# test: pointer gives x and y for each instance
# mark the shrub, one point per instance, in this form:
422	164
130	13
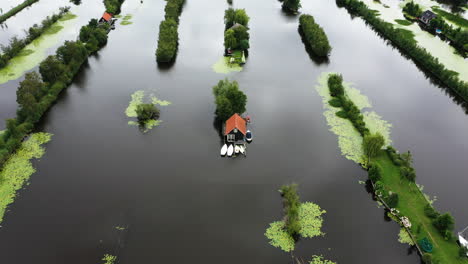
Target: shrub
335	85
335	102
314	35
113	6
430	211
291	5
147	112
375	172
412	9
444	223
462	252
168	41
291	203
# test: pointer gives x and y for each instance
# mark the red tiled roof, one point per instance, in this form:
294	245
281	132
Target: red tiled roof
235	121
107	16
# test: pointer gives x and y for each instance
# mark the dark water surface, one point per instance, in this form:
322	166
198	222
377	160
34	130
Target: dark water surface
180	201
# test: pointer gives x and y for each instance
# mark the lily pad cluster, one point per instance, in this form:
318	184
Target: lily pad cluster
349	139
109	259
126	20
310	218
320	260
137	98
224	66
18	168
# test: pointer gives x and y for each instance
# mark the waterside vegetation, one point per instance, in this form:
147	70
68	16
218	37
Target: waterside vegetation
168	40
292	6
16	45
229	99
408	46
393	180
314	36
16	10
236	33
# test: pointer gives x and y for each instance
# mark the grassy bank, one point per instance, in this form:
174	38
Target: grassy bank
411	204
393	179
457	20
16	10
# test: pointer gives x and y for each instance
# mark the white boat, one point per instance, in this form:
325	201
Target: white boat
241	149
463	237
224	150
236	149
230	150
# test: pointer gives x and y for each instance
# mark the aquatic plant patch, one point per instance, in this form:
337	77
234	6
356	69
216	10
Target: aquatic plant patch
126	20
404	237
311	221
138	98
18	168
109	259
349	139
35	52
320	260
224	66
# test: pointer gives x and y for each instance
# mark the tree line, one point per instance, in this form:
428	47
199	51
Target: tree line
236	34
314	35
16	45
38	91
372	146
408	46
291	210
16	9
168	40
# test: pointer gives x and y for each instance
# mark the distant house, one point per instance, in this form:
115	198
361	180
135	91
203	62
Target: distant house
235	129
426	17
106	18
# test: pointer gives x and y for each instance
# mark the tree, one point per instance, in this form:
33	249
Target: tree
241	17
375	172
229	99
372	144
444	223
147	112
51	69
392	200
29	92
230	40
291	5
72	52
335	85
229	18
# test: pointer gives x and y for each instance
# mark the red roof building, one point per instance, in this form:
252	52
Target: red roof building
106	17
235	124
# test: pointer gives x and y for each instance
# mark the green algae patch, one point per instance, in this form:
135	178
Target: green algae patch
109	259
404	237
279	237
138	98
33	53
18	169
349	139
320	260
126	20
68	16
310	218
224	66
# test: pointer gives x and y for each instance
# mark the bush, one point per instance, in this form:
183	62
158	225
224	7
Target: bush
412	9
335	85
335	102
375	172
431	212
113	6
147	112
314	35
291	5
462	252
291	204
444	223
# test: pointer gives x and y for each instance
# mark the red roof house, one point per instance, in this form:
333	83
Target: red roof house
235	128
106	17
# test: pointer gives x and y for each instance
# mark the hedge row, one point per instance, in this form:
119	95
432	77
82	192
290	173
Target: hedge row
16	45
409	46
168	32
314	35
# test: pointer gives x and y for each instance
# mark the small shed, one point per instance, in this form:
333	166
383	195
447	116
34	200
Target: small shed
235	129
106	18
427	16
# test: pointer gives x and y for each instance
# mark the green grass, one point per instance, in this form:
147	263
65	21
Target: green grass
457	20
411	204
403	22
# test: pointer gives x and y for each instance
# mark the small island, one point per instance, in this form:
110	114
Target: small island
314	36
236	35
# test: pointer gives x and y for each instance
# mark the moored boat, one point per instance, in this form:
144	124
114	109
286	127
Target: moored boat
230	150
224	150
248	136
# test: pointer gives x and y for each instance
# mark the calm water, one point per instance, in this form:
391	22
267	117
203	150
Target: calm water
180	201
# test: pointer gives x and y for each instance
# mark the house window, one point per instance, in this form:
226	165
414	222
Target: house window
231	137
